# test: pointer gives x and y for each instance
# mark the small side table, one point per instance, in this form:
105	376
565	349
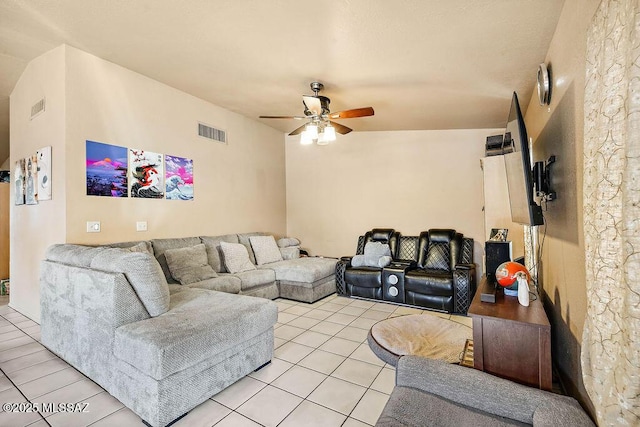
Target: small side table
511	341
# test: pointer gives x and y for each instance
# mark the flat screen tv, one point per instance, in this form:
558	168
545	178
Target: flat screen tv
524	209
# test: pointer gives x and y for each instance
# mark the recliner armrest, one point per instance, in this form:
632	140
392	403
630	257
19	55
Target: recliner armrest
347	259
486	393
406	263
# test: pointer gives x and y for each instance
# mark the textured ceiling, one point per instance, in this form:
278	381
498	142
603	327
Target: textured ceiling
422	64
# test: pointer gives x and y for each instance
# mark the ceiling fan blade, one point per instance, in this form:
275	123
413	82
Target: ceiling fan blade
341	129
282	117
313	104
351	114
297	131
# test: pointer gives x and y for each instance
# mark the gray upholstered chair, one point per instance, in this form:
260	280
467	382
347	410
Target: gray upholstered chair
432	392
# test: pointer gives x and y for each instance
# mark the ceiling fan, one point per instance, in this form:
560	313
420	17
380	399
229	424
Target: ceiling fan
320	128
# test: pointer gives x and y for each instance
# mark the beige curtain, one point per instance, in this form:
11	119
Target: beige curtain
611	337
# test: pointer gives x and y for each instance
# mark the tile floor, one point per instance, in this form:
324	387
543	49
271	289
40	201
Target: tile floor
322	374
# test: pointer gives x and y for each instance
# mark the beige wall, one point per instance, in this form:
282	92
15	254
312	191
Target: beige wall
408	180
557	129
239	186
34	228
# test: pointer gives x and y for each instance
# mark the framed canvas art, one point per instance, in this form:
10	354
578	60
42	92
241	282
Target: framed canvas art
31	183
179	178
146	174
19	173
106	170
43	156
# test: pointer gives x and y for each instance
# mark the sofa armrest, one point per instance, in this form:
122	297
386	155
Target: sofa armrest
464	282
341	266
487	393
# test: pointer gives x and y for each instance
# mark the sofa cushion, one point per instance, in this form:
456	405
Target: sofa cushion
137	246
378	249
223	283
199	325
212	243
189	265
243	238
75	255
307	269
143	273
290	252
255	278
235	257
431	282
161	245
265	249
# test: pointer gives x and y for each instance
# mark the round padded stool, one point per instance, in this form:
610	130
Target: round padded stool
420	335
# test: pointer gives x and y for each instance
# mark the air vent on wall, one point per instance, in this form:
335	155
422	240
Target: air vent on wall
212	133
37	108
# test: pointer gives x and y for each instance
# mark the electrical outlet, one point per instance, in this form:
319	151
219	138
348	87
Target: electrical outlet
141	226
93	226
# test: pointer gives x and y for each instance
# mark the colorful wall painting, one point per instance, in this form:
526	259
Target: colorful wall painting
146	174
19	173
106	170
179	178
31	183
44	173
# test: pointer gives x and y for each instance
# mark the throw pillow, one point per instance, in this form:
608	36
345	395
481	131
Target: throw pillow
265	249
285	242
370	261
236	257
377	249
189	265
291	252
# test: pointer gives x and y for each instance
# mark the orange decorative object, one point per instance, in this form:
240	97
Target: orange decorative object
507	273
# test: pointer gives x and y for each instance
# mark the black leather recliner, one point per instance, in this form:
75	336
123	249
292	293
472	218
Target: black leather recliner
434	270
367	281
445	276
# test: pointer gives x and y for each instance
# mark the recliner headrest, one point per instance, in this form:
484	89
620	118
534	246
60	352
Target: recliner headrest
381	234
441	235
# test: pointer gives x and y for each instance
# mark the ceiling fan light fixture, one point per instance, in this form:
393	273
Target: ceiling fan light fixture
312	130
329	133
305	138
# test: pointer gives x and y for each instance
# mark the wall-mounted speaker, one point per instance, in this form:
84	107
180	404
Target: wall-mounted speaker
495	254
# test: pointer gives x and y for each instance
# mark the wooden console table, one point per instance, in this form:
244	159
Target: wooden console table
511	341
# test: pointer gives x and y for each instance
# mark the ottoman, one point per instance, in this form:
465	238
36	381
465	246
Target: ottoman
419	335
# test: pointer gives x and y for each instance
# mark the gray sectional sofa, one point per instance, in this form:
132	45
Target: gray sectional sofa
118	315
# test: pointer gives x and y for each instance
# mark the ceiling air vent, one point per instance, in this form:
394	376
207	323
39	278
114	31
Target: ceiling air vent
37	108
212	133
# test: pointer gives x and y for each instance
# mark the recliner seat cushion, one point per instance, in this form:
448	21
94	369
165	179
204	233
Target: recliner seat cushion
365	277
433	282
199	325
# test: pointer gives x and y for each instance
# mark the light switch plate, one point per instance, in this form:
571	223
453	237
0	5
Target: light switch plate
93	226
141	226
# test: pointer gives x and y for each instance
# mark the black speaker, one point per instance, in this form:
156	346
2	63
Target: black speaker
495	254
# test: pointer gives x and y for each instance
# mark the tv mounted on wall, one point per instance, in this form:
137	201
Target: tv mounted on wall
524	209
